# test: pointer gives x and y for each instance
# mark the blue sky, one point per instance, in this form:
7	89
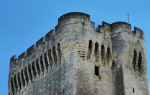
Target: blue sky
23	22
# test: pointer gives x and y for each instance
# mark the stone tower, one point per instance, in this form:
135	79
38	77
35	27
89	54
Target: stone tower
76	58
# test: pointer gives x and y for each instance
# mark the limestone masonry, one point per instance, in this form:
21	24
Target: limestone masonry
76	58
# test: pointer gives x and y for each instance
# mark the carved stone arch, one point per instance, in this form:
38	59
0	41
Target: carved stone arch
33	69
26	75
46	60
90	46
19	80
38	66
22	78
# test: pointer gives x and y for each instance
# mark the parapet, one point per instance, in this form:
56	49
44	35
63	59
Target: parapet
138	32
117	25
13	59
79	15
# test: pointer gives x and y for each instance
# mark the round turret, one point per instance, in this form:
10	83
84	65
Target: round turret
76	16
123	25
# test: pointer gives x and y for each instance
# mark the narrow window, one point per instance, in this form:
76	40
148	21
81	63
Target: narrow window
19	81
133	90
59	51
96	70
42	65
96	51
113	65
26	75
46	61
22	77
12	85
50	56
134	59
54	55
37	66
139	61
33	69
102	52
90	49
108	54
30	74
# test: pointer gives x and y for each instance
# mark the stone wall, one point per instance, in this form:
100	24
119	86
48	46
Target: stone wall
77	59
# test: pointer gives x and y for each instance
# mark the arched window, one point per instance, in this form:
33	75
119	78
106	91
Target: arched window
19	81
30	73
90	49
12	85
102	52
50	57
26	75
134	59
46	61
96	51
54	55
140	61
37	66
33	69
42	65
108	53
15	82
22	77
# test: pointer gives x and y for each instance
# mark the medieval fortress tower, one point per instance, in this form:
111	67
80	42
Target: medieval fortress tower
76	58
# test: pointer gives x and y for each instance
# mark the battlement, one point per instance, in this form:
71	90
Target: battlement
118	25
138	32
79	15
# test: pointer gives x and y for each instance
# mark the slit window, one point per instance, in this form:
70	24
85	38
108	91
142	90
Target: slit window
140	61
96	70
102	52
54	55
90	49
134	59
108	53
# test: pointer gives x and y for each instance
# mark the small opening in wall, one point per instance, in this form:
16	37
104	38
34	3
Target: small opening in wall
96	70
133	90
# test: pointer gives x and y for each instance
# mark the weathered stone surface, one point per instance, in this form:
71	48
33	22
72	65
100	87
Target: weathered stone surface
77	59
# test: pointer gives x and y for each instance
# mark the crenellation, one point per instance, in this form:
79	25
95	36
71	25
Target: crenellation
49	35
138	32
22	56
41	41
75	58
